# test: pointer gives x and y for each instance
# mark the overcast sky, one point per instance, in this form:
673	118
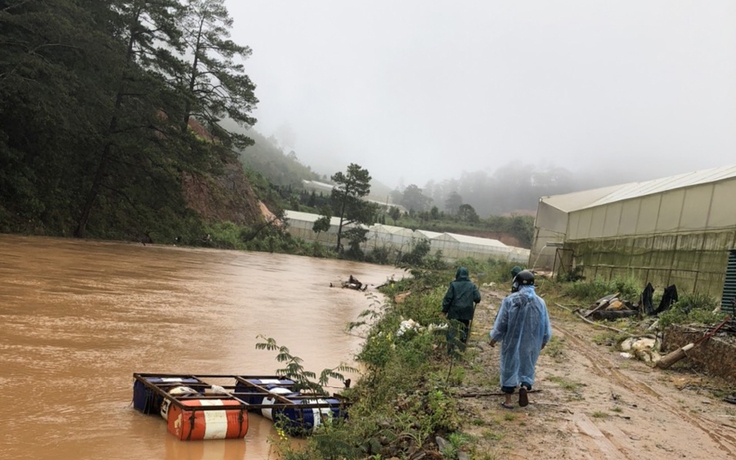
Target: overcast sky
414	90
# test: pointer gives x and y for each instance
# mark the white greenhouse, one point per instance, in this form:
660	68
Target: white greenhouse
676	230
453	246
398	238
301	224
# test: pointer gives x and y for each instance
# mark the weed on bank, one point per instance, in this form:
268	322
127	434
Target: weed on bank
404	399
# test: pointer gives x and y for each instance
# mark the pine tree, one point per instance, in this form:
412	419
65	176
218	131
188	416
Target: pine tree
213	79
347	198
147	31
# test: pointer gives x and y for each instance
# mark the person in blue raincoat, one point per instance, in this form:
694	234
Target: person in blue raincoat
523	328
458	306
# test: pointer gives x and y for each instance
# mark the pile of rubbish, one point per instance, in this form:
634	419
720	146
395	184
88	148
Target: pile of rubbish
409	326
669	297
352	283
611	307
641	348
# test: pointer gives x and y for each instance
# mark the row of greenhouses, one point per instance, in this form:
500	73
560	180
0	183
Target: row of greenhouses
453	246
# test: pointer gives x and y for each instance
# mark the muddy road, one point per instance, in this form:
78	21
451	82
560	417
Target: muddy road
594	404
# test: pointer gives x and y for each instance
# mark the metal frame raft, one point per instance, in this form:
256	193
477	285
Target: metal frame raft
216	406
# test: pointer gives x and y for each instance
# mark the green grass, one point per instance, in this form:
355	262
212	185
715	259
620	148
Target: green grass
555	348
492	435
565	384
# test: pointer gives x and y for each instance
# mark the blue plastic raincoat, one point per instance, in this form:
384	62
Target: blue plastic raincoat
522	326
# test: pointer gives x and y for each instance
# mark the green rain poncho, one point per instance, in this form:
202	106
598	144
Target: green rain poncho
522	326
461	297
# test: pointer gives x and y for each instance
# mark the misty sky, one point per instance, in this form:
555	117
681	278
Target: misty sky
415	90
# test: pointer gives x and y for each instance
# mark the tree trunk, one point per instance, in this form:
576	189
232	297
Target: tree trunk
81	229
193	79
342	218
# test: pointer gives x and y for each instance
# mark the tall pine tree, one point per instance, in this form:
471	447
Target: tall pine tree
214	78
147	30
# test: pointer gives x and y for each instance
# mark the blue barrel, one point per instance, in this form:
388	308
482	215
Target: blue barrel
268	384
295	420
148	401
305	420
302	420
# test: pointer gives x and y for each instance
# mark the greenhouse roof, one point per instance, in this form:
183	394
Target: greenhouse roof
317	184
308	217
303	216
395	230
428	234
597	197
472	240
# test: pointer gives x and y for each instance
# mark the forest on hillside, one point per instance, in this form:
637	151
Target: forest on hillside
107	106
268	158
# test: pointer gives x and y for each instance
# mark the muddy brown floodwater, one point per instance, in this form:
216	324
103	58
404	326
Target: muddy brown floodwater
78	318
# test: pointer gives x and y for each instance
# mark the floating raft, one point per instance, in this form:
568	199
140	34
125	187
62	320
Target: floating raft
197	407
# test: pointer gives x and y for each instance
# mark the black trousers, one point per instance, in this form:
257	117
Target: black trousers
457	334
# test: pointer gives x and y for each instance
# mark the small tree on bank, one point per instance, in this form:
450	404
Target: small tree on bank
346	198
323	223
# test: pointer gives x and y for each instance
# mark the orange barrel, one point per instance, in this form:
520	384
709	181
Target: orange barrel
176	391
187	424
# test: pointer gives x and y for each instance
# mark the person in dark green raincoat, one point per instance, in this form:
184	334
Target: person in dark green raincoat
458	306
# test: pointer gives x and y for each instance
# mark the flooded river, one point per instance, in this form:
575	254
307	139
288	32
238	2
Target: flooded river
78	318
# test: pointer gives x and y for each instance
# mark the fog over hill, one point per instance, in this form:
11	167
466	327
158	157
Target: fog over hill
512	188
418	91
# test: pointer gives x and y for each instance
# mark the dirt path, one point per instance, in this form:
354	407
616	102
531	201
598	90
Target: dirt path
593	403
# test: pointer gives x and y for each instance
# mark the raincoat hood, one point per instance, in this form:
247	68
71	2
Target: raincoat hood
461	297
527	289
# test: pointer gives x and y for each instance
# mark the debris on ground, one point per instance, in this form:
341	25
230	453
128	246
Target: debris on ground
669	297
611	307
641	348
408	325
401	297
353	283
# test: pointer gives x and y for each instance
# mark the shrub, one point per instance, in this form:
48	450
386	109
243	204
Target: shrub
418	253
383	255
590	291
692	308
576	274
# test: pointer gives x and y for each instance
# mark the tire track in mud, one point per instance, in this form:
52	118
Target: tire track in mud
602	366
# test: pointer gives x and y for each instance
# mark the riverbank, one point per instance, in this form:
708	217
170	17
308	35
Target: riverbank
414	402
